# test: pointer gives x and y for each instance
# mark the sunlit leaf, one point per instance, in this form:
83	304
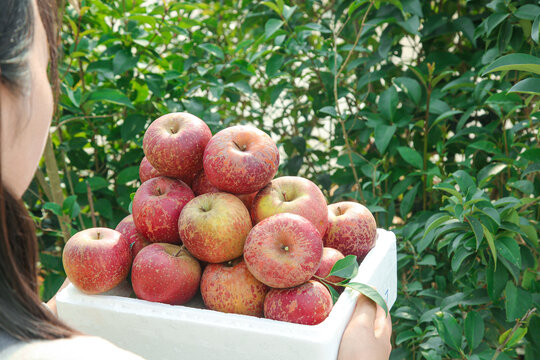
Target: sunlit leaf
521	62
370	293
345	268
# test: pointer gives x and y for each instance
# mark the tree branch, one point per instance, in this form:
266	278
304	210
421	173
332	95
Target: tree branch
520	322
338	110
57	193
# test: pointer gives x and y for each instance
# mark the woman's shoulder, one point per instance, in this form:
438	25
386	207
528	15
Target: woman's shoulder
77	347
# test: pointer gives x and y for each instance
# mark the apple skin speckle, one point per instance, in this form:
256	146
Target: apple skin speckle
291	194
97	259
214	227
147	171
283	250
240	170
201	185
352	229
178	153
308	304
165	273
156	216
233	289
329	258
135	240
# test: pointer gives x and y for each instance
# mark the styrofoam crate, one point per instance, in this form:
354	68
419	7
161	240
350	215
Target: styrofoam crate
160	331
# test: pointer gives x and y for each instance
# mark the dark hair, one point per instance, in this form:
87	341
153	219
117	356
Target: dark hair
22	315
16	32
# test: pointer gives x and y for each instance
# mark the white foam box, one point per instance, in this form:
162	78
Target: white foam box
162	332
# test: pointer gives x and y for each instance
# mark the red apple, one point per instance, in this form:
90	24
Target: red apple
156	208
329	258
240	159
147	171
229	287
140	243
201	185
291	194
96	260
188	179
214	227
165	273
247	199
127	228
307	304
174	144
352	229
135	240
283	250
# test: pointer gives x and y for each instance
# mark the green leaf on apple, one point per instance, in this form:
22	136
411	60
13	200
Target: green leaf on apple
333	292
345	268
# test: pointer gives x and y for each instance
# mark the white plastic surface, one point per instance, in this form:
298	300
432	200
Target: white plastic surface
163	332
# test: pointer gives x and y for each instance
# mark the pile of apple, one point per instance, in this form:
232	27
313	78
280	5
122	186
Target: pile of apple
209	215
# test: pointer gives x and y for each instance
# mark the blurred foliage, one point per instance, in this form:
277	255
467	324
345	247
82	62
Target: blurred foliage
426	112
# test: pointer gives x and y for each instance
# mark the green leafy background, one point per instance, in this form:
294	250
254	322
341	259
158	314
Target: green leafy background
426	112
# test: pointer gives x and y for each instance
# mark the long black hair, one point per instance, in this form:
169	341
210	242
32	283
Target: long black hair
22	315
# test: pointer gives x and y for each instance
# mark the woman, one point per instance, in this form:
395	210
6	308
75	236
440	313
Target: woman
28	329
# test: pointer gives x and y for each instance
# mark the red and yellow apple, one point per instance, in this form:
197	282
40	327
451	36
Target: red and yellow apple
147	171
291	194
96	260
214	227
156	208
135	240
247	199
127	228
329	258
188	179
229	287
201	185
240	159
308	304
165	273
139	243
283	250
352	229
174	144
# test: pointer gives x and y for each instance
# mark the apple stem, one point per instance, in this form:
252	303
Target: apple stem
179	251
286	248
241	148
320	278
98	235
339	211
325	279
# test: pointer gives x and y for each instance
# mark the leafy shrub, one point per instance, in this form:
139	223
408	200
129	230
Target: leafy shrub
427	112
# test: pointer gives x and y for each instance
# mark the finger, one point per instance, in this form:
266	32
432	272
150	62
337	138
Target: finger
365	312
383	324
